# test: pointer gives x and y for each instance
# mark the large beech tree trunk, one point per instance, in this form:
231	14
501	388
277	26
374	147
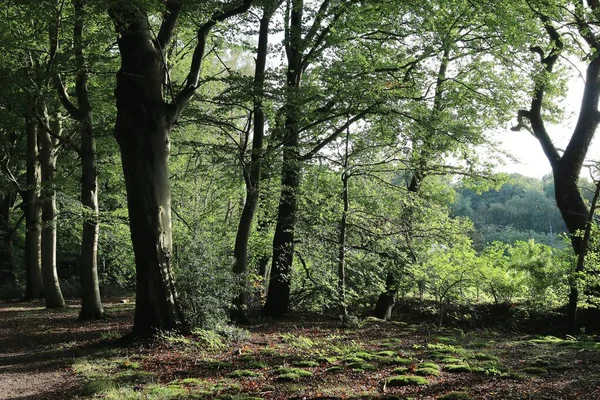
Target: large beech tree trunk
142	128
253	175
142	131
53	294
33	216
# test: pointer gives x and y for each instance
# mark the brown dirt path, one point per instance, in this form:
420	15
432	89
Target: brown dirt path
37	347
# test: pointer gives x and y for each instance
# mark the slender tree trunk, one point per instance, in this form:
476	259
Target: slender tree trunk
91	304
253	176
34	288
7	271
342	241
278	294
54	298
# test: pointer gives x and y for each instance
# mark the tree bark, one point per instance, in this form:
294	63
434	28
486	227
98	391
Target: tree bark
278	293
34	288
142	132
342	242
142	128
91	303
567	167
253	176
48	153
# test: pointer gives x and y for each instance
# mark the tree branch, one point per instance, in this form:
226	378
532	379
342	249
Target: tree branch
170	16
191	82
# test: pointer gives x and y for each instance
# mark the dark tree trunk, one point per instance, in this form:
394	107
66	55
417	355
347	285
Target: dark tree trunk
91	304
567	167
343	234
34	288
385	302
7	270
53	294
142	128
278	294
142	131
252	176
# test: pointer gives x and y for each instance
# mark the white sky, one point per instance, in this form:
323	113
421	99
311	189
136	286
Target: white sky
527	149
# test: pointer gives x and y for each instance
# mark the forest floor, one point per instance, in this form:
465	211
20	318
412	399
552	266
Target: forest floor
49	355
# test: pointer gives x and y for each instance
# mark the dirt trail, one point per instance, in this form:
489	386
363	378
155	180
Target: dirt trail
37	348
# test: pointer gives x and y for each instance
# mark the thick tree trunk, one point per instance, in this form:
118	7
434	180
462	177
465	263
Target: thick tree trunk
142	131
34	288
54	298
144	121
253	176
385	302
144	154
278	294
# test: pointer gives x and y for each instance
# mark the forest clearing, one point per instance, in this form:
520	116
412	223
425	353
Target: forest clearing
47	355
299	199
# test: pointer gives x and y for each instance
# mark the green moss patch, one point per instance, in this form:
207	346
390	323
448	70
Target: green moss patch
334	369
400	370
365	356
287	374
406	380
457	368
429	365
451	360
363	366
395	361
306	363
329	360
386	353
